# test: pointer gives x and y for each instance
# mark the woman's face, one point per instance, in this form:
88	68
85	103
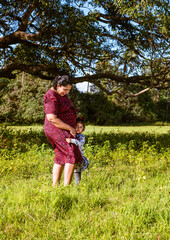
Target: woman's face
63	90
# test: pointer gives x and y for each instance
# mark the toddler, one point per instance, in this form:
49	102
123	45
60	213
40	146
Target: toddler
80	141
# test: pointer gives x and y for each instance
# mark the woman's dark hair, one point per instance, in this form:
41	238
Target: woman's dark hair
62	81
81	120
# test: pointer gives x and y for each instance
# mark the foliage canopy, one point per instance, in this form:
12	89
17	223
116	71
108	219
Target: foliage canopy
49	37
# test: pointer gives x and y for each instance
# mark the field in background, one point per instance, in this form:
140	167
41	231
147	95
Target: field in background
128	129
98	129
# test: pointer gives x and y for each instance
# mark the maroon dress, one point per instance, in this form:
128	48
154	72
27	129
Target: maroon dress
62	107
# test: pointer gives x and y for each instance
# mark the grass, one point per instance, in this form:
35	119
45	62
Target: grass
107	129
124	195
127	129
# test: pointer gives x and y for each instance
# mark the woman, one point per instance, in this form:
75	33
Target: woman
60	121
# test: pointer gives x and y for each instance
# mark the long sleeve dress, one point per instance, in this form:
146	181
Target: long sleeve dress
62	107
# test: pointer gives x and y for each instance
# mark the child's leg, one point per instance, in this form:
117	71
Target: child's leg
77	176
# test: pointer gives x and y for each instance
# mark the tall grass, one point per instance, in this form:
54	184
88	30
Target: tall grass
123	194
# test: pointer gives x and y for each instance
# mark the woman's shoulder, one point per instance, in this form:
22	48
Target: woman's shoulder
50	94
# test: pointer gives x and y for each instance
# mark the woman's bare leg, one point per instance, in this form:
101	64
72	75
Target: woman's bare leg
57	171
68	173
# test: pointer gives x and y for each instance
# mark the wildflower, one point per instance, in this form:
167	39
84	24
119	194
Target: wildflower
6	140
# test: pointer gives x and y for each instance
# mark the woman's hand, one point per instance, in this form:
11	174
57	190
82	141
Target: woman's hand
72	131
68	140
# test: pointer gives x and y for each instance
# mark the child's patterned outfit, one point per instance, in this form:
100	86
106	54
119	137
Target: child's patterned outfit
80	141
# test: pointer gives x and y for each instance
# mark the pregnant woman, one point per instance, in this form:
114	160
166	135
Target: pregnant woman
60	121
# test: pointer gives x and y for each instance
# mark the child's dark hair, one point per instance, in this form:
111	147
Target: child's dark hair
81	120
62	81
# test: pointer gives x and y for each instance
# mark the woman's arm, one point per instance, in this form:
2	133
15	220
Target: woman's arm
60	124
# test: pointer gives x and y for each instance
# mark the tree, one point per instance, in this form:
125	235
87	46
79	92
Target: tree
22	100
49	37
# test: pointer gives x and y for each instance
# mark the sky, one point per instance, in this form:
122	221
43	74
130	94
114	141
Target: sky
82	87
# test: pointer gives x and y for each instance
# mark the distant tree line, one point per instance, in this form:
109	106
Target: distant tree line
21	102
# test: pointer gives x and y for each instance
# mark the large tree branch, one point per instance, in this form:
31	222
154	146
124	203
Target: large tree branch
119	92
142	91
52	70
49	72
111	76
42	71
142	80
17	37
145	90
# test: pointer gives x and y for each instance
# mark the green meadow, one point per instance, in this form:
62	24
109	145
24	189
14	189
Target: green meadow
123	195
98	129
